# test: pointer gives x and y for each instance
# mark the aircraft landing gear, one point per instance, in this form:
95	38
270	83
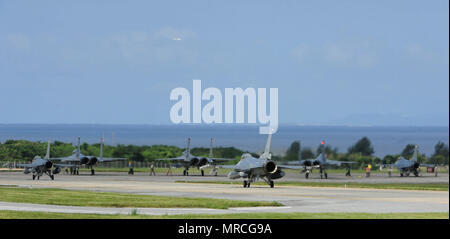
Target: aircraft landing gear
49	173
307	175
34	176
214	171
203	172
92	171
185	173
269	181
246	184
74	171
323	173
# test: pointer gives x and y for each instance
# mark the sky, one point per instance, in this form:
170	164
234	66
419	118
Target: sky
333	62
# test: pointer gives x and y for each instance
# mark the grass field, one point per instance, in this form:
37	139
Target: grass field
106	199
47	215
403	186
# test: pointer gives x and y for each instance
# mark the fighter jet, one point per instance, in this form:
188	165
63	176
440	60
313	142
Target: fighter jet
251	168
188	160
77	159
407	166
321	162
39	166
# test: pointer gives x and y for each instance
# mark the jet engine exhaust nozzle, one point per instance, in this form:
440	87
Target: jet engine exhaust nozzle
270	167
92	161
48	164
84	160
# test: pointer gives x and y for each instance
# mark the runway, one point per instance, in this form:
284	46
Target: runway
295	199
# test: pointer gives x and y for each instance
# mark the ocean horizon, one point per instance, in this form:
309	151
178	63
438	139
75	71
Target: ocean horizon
385	139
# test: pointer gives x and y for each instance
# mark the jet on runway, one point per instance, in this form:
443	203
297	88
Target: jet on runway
251	168
410	166
321	162
77	159
188	160
39	166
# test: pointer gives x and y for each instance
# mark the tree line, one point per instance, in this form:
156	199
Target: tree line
362	151
23	150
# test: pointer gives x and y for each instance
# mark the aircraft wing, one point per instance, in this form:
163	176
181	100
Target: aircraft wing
221	159
427	165
171	159
290	167
110	159
338	163
25	165
65	165
70	160
227	166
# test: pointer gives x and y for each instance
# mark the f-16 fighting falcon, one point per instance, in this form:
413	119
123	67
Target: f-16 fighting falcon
188	160
321	162
251	168
77	159
39	166
407	166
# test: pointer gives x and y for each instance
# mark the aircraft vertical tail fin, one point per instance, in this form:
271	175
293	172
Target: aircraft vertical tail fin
78	147
299	151
188	151
47	155
266	153
414	157
324	153
101	147
211	148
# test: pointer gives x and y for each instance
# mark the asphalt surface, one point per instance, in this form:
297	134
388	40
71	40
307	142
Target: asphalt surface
295	199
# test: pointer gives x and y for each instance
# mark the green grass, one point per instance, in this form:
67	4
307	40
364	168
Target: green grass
106	199
403	186
49	215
